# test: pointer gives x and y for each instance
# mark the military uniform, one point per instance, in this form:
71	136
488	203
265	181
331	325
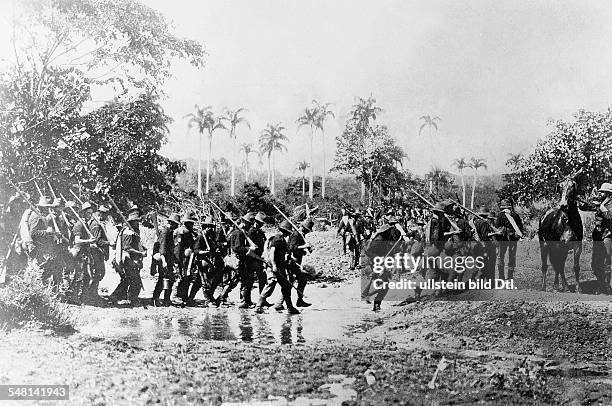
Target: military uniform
240	247
208	265
278	273
184	245
508	239
165	277
131	283
257	235
98	254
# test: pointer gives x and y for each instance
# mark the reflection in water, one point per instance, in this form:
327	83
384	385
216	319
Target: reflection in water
246	329
335	315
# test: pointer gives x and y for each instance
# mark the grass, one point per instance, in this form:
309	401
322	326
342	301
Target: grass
27	301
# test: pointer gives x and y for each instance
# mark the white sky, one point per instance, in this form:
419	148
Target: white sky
494	71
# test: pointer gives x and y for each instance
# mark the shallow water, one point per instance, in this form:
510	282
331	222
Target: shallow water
337	312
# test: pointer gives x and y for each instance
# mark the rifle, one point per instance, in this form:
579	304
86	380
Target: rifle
496	230
452	223
6	258
68	225
294	226
24	196
40	193
234	223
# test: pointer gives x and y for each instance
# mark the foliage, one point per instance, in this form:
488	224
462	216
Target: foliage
26	300
119	41
583	143
64	48
368	151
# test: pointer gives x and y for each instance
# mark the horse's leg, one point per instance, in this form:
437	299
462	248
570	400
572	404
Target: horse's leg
553	254
577	252
544	258
561	264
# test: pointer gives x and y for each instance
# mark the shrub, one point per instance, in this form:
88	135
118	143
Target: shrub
26	300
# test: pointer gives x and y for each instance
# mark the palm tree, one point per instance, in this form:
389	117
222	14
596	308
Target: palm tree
476	163
302	166
198	120
430	123
233	118
323	113
205	119
271	140
310	118
247	148
461	164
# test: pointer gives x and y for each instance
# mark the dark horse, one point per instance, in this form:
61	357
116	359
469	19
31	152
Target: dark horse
559	231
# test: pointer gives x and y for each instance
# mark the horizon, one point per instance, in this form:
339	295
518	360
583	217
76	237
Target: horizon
495	72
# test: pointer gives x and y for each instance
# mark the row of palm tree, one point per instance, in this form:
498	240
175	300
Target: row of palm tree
271	140
473	163
206	121
314	117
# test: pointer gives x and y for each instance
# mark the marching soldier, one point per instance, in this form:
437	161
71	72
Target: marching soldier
486	242
511	228
98	255
278	250
184	244
241	248
83	259
298	247
229	274
133	254
167	260
601	260
207	260
257	235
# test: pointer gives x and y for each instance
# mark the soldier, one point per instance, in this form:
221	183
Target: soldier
205	250
601	260
133	254
257	235
486	242
36	235
99	255
278	250
167	260
241	247
298	247
511	228
229	274
184	244
83	259
343	224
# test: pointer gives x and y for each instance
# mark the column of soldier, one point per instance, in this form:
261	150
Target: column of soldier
68	241
445	228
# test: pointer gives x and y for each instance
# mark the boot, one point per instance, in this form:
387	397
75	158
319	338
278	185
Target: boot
292	310
301	303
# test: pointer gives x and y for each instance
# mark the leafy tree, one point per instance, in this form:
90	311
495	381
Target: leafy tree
271	140
461	164
234	118
514	161
583	143
476	163
438	177
64	48
368	151
431	123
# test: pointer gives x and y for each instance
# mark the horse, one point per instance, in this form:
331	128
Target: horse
560	230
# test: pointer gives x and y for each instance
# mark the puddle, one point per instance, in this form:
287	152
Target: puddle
340	389
336	313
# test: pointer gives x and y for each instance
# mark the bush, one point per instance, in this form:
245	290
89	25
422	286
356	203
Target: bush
26	300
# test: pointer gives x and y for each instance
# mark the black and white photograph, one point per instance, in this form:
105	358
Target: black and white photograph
291	202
